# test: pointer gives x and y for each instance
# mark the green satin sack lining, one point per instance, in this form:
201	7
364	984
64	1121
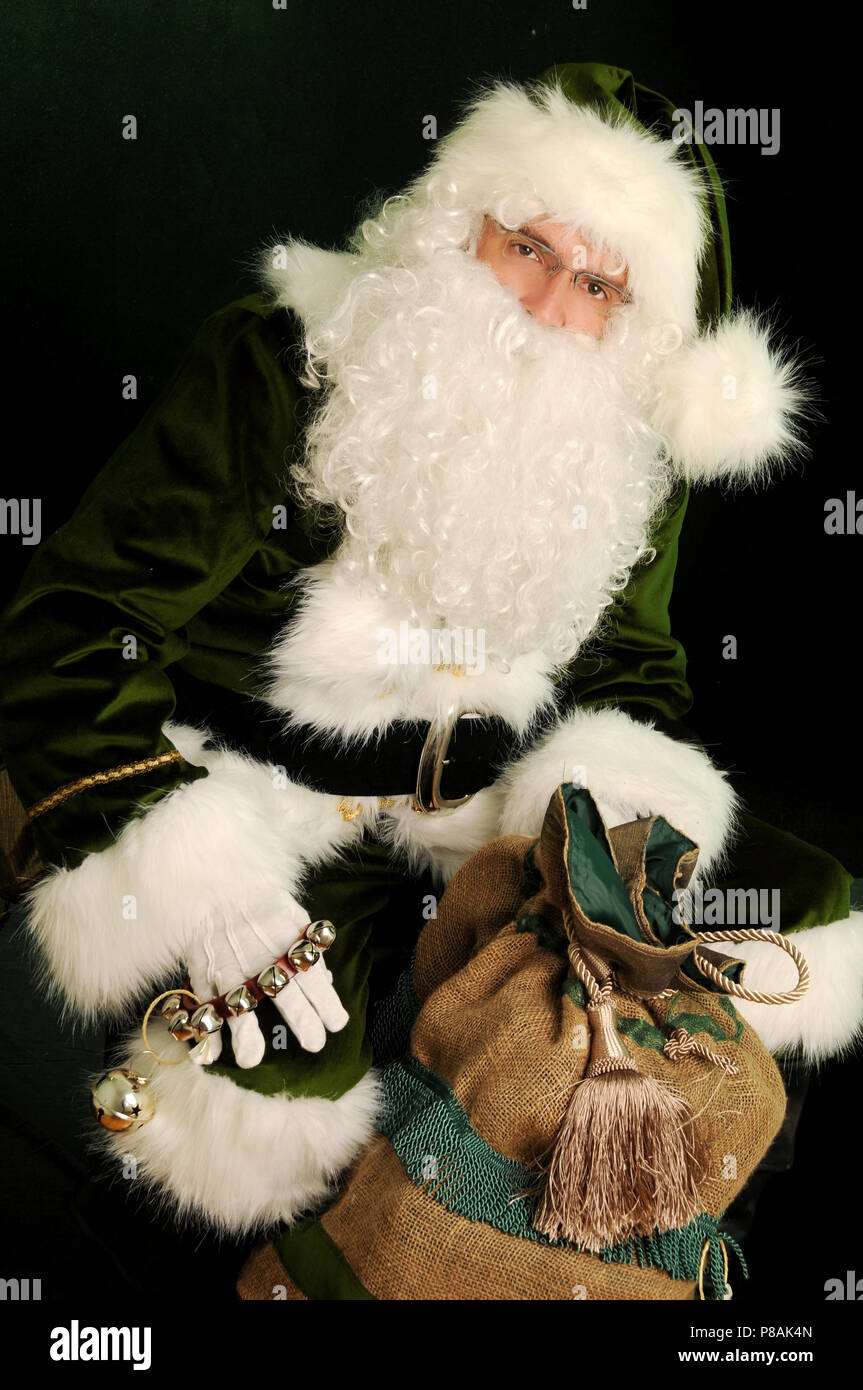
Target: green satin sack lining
596	883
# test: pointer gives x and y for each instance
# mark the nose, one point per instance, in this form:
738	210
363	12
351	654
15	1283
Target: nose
553	304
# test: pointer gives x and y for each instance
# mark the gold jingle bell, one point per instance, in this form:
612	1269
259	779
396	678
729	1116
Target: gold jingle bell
121	1100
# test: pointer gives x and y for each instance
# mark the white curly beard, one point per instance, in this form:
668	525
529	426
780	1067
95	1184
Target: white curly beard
494	473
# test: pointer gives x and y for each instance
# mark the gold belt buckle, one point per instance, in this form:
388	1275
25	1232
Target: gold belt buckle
433	760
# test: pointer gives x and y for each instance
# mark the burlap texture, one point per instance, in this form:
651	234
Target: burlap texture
502	1021
404	1245
497	1025
263	1277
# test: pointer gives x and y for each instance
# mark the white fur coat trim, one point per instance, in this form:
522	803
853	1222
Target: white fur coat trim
333	667
121	922
828	1019
218	1153
520	156
631	770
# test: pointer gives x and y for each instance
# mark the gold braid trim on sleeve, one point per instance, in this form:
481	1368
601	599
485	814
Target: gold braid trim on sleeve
97	779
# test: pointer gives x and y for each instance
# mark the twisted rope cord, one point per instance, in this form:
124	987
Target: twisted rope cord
682	1044
739	991
597	993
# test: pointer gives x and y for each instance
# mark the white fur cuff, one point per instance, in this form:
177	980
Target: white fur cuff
220	1153
631	770
828	1019
123	920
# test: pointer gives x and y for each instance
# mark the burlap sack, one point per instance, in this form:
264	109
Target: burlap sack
441	1205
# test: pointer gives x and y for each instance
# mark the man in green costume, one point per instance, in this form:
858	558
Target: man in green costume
389	559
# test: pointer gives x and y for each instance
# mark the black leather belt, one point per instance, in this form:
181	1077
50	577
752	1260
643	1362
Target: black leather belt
441	765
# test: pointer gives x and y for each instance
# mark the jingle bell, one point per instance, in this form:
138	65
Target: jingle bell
204	1022
121	1100
273	980
303	954
322	934
240	1001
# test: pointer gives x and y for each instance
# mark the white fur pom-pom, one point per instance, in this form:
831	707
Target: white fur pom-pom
729	405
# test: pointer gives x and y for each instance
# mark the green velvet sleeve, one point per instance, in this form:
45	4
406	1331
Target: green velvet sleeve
175	515
635	663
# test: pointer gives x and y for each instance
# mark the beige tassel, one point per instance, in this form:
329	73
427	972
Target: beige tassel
626	1161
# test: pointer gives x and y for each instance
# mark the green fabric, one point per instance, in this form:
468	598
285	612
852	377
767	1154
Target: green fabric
316	1264
633	662
595	883
173	544
644	1034
813	886
597	886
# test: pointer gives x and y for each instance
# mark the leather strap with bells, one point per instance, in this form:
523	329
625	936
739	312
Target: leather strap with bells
120	1096
242	999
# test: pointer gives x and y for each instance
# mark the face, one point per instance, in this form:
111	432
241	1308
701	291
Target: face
521	261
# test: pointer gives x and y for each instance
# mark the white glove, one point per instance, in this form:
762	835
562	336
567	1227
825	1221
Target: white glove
239	947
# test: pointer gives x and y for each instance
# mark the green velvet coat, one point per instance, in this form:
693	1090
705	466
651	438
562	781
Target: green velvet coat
179	544
184	542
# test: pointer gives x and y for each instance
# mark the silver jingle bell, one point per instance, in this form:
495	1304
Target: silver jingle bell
303	954
172	1005
204	1022
240	1001
273	980
321	934
179	1025
121	1100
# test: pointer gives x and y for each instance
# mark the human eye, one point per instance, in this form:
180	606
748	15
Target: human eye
595	289
600	292
521	249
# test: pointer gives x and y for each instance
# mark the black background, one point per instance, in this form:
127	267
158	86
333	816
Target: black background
252	121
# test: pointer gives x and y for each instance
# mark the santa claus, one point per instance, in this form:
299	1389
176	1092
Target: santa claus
388	561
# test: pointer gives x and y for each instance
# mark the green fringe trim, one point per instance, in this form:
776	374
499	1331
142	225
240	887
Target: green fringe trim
679	1253
443	1154
394	1018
